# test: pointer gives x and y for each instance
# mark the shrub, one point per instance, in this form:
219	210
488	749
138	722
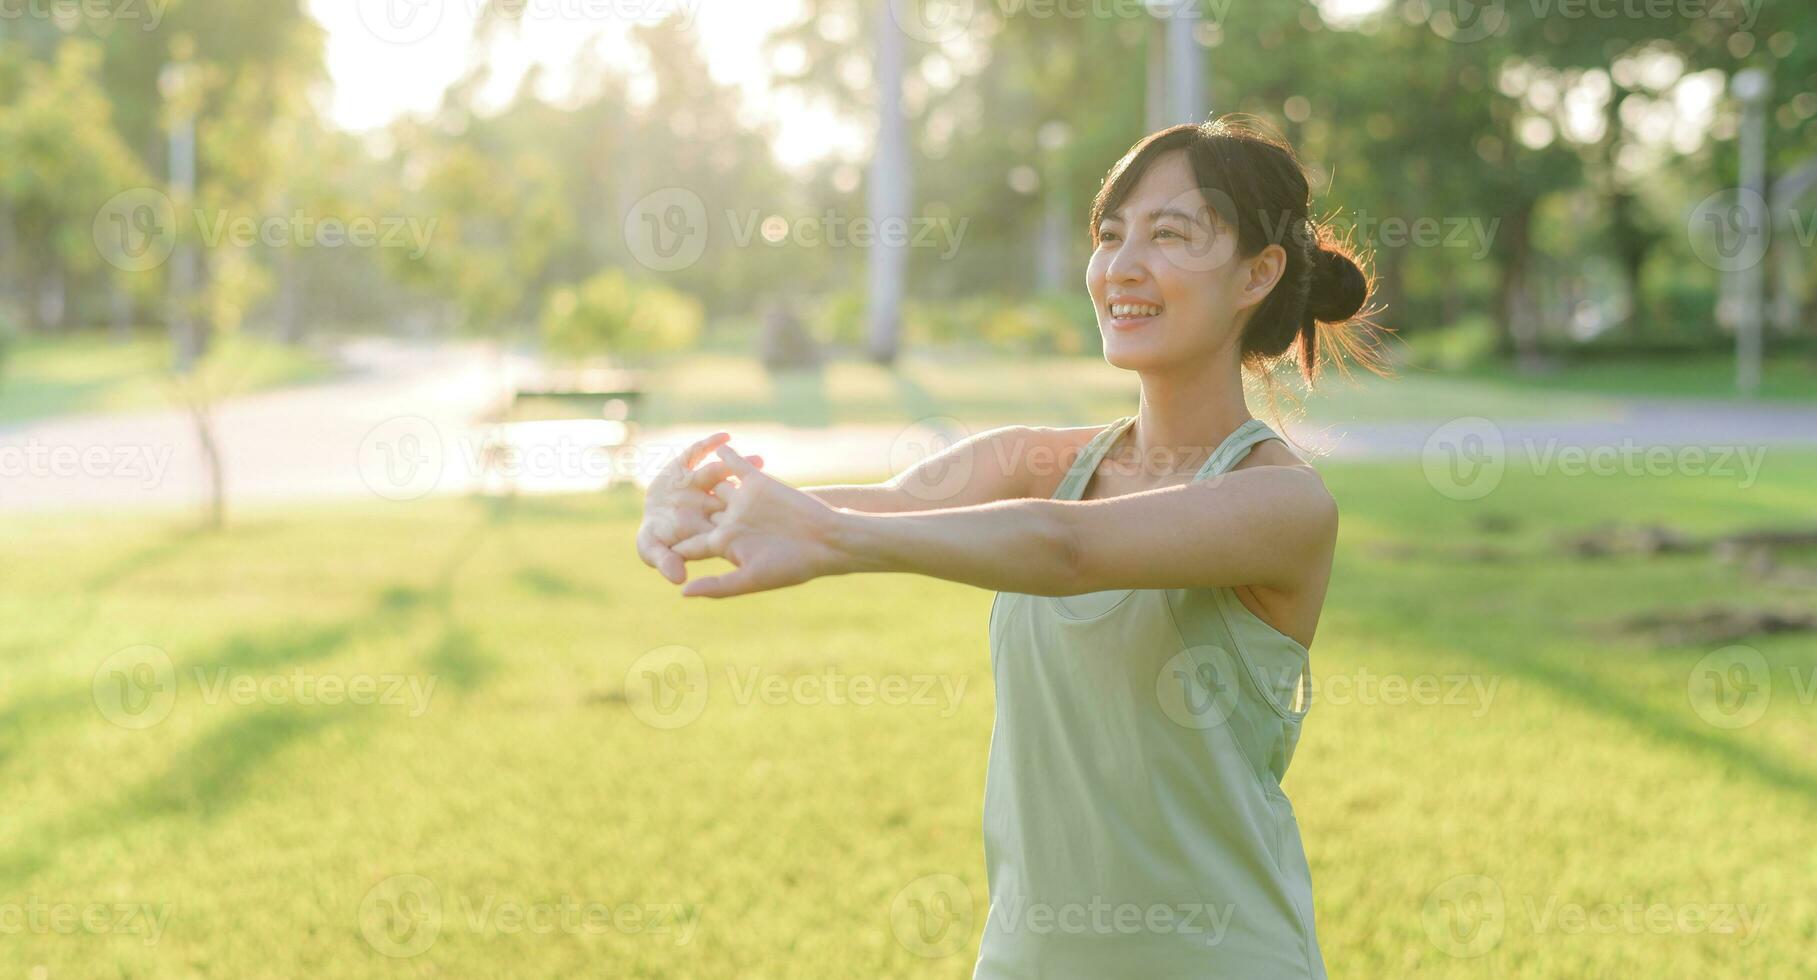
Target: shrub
614	314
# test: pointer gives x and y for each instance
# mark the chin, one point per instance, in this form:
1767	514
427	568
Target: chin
1128	354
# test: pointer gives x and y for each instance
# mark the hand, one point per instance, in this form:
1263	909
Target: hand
679	503
776	535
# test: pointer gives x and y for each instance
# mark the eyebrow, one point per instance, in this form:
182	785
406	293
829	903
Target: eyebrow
1157	213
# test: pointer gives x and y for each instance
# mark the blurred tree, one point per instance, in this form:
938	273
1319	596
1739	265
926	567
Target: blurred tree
63	159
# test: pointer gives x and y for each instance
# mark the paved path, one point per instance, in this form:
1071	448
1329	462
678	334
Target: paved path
404	423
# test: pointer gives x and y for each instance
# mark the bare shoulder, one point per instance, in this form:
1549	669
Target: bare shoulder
1296	479
1052	452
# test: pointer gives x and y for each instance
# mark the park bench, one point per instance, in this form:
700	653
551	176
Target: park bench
608	393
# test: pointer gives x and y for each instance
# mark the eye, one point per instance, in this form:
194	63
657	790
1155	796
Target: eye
1107	236
1159	232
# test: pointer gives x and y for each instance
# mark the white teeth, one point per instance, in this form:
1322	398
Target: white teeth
1134	309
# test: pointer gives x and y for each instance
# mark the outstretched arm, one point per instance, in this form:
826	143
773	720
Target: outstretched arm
1261	526
992	465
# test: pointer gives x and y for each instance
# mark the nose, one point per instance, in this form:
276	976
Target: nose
1128	264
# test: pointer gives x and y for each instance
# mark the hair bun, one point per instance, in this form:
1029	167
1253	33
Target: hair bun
1339	289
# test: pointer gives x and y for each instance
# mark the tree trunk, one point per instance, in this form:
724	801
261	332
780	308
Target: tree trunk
1518	335
201	412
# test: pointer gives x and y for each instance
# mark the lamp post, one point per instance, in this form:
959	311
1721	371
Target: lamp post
888	195
1752	87
1176	88
175	85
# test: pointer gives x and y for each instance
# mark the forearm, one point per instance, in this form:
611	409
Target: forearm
1007	545
870	498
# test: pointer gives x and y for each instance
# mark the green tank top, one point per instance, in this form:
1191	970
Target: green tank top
1134	823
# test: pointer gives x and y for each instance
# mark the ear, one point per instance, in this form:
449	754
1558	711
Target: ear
1260	274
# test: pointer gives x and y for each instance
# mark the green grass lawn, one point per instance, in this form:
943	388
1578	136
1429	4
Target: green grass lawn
1552	768
986	390
93	373
1784	378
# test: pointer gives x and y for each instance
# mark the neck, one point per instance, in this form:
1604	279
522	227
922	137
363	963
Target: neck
1184	415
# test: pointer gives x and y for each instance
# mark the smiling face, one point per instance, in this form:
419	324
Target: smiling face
1166	278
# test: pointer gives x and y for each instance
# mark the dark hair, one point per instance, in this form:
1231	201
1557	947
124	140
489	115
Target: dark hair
1255	183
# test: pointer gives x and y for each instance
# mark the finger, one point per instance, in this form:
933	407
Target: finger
662	558
710	475
740	466
696	547
678	470
691	524
692	456
734	582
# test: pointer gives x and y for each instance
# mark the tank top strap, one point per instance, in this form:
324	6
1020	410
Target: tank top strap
1234	447
1088	459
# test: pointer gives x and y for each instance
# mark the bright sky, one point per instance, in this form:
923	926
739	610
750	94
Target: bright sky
391	57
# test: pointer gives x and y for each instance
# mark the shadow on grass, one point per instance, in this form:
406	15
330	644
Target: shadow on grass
1667	727
211	774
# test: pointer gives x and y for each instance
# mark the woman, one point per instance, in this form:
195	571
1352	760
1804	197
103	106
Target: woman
1157	593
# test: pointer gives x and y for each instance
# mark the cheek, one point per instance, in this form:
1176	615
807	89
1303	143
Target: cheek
1094	273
